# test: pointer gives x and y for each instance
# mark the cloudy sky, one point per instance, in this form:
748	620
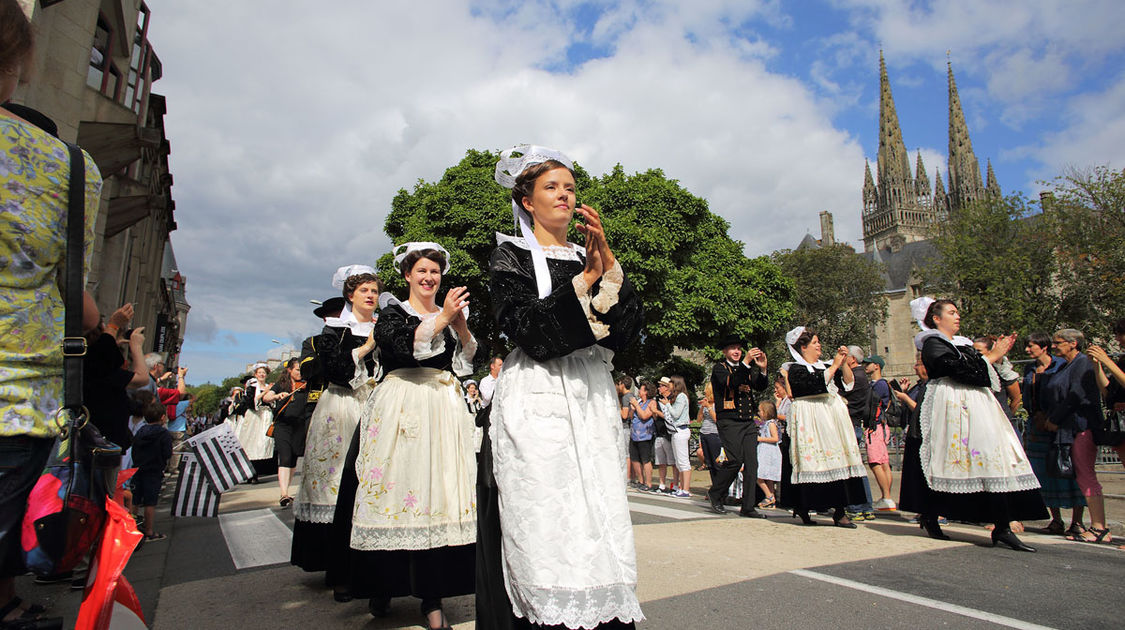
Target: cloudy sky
293	124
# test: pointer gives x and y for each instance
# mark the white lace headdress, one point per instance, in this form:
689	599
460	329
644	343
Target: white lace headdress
791	338
347	318
343	273
401	251
513	162
918	309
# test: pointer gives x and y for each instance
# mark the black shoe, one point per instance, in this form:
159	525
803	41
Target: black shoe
751	514
716	505
342	596
1008	538
379	606
804	516
840	519
933	530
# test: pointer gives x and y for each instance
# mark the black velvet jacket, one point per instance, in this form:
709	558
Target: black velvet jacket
334	355
394	332
802	382
556	325
961	363
739	384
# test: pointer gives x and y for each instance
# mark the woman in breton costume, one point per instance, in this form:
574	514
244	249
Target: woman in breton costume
251	428
970	455
345	353
565	553
410	468
825	467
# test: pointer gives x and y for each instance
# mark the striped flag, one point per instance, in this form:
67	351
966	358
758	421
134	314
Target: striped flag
195	496
220	454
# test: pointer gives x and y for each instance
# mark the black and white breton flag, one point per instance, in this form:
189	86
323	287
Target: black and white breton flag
195	496
221	456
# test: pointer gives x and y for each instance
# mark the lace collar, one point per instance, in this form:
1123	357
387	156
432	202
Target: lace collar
570	251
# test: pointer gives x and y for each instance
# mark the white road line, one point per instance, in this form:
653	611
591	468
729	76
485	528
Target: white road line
256	538
923	601
693	510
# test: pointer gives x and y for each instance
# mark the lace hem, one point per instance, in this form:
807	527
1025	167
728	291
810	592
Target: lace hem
826	476
576	608
413	538
582	291
984	484
313	512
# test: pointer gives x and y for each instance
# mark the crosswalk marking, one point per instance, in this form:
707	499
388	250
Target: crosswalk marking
256	538
690	510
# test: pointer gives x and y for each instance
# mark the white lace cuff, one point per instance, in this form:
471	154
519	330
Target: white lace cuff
360	377
463	355
582	291
427	342
609	288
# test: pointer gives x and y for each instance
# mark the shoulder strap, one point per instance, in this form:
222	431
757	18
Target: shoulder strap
74	344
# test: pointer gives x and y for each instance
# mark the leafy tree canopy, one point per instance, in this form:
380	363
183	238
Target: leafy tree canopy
839	294
694	280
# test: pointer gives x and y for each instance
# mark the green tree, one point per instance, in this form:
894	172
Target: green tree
838	293
694	281
996	261
1086	218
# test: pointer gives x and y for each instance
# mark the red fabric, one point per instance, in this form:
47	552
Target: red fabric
108	585
168	397
45	498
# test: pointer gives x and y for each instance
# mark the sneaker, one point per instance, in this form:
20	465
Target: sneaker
664	490
914	520
885	505
155	536
680	494
942	520
643	488
854	517
868	516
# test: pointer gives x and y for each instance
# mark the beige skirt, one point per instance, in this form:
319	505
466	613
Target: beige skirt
416	465
822	444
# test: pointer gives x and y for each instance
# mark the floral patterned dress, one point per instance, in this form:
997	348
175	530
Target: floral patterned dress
34	189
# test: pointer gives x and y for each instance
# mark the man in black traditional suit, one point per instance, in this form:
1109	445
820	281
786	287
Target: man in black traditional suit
736	381
310	365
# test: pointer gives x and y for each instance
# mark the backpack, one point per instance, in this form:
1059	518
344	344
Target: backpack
893	415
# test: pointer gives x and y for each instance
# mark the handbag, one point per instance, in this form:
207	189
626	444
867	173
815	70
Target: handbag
1060	464
66	508
1111	431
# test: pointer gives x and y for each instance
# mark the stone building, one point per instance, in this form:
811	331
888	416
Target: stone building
94	69
900	212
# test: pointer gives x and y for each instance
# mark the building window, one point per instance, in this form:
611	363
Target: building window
103	74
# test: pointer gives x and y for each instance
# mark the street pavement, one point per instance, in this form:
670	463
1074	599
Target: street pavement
695	569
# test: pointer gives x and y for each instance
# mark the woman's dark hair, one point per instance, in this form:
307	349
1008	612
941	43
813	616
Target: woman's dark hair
935	310
804	340
649	388
987	340
353	282
525	182
678	386
414	256
284	383
1043	340
1119	327
17	39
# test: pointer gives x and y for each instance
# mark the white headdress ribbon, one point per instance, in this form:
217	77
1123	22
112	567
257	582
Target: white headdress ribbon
791	338
343	273
918	308
261	364
401	251
513	162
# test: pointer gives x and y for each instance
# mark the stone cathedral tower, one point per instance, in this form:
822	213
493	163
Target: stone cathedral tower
898	204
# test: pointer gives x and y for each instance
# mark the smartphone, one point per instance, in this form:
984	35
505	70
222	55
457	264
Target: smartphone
894	385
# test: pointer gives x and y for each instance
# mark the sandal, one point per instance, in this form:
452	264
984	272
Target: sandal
1075	532
155	536
1101	535
768	502
286	501
1056	528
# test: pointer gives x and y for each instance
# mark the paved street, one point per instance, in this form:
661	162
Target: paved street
695	568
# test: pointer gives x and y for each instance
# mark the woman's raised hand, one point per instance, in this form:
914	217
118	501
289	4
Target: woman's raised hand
456	300
1098	354
368	345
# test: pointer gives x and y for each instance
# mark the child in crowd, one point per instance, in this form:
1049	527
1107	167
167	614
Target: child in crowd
152	448
769	453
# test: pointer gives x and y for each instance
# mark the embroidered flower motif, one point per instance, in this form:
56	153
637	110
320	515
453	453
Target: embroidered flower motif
375	474
410	501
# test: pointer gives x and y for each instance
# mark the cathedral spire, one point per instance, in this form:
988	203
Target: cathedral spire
992	187
894	166
965	185
921	180
941	202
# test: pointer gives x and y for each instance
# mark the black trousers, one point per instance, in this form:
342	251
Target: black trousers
740	443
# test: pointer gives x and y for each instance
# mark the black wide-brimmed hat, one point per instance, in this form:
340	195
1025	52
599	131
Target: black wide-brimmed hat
731	340
330	306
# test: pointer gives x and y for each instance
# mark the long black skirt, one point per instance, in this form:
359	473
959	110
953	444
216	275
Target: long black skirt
311	545
816	496
424	573
976	507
